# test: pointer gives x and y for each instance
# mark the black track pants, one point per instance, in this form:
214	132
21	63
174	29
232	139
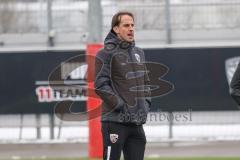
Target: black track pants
119	137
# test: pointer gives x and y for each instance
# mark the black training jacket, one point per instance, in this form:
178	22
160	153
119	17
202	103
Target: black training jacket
121	82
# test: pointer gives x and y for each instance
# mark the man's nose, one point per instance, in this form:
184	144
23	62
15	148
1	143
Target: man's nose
131	28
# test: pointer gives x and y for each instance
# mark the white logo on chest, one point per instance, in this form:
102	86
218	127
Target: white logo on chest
137	57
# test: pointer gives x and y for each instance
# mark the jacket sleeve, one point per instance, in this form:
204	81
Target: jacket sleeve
147	82
235	85
103	83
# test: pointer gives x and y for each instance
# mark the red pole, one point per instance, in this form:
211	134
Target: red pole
95	146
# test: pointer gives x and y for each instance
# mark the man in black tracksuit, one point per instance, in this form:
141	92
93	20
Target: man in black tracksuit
235	85
122	83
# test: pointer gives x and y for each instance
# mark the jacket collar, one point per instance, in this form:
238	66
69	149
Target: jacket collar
112	40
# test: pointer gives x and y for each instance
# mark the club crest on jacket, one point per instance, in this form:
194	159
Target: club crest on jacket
137	57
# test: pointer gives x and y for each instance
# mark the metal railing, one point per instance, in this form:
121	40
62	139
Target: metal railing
160	126
163	21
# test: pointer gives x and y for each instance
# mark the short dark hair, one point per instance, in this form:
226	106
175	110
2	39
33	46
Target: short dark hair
116	19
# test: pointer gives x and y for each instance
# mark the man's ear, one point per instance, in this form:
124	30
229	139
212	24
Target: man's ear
116	29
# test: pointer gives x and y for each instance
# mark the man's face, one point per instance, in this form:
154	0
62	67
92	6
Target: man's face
125	30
